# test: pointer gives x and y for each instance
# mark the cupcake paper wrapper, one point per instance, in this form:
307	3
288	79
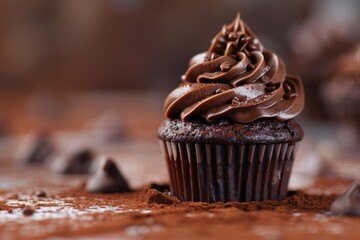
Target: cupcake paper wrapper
228	173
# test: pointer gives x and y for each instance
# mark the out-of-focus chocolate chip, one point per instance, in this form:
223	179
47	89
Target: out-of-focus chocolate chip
154	196
41	194
348	203
108	179
160	187
36	148
78	162
28	211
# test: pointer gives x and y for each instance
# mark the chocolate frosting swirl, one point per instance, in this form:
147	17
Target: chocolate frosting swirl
236	78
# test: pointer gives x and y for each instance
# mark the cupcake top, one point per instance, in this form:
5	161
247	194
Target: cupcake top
344	77
348	66
236	78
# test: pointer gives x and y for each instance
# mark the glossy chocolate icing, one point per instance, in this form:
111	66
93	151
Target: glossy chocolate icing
236	78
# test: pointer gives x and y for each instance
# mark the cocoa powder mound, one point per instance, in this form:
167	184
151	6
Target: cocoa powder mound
296	201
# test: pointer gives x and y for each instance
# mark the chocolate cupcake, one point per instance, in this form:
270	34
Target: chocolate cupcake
342	92
230	133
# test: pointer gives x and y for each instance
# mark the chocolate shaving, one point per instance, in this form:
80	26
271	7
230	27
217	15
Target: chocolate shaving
108	179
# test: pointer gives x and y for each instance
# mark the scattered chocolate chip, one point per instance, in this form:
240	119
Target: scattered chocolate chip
225	66
164	188
235	101
78	162
250	67
108	179
41	194
219	91
28	211
154	196
265	79
349	202
288	96
36	148
10	210
287	88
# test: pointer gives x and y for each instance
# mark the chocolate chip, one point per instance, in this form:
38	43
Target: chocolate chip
154	196
287	88
36	148
225	66
265	79
349	202
250	67
219	91
288	96
108	179
28	211
164	188
78	162
41	194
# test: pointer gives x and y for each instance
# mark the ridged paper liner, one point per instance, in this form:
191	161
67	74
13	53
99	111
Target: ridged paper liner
226	173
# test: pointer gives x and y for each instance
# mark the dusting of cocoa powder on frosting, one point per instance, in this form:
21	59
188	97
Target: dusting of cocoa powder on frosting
236	78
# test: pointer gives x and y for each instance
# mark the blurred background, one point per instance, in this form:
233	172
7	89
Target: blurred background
66	65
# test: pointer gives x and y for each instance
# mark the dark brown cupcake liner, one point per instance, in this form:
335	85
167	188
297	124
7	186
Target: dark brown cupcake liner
228	173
